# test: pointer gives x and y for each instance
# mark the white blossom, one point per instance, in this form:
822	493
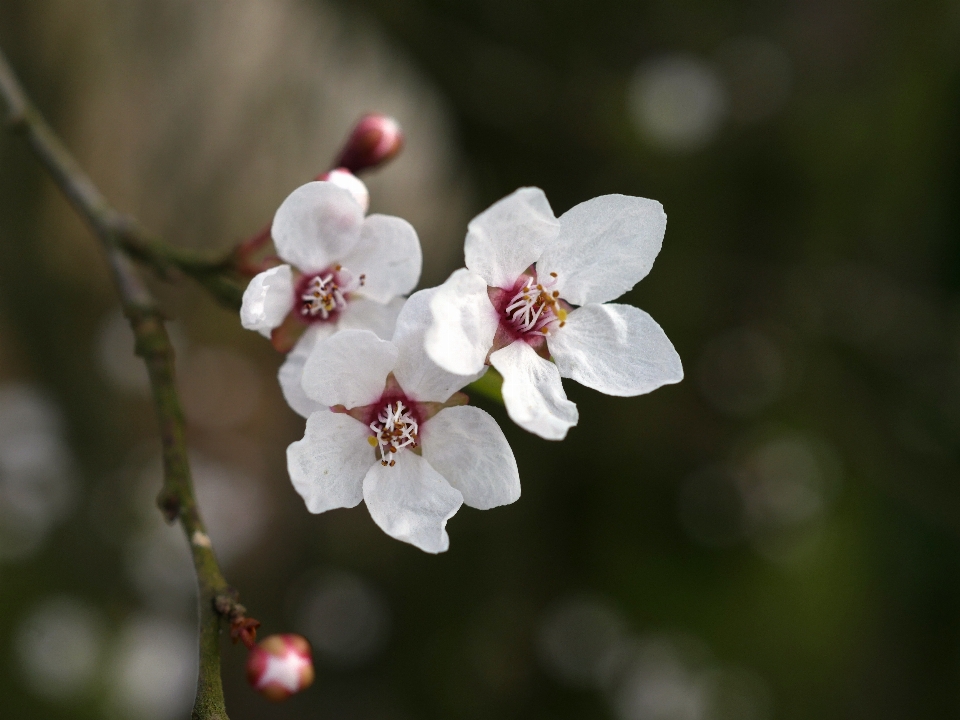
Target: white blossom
537	289
399	437
341	270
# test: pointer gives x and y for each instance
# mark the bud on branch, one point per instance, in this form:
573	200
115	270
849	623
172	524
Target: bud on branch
375	140
280	666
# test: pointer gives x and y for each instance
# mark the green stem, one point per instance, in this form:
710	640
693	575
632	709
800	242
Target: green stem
121	238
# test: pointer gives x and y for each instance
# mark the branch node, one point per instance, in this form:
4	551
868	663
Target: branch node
169	504
242	628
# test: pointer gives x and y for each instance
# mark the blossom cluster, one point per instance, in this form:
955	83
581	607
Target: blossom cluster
377	371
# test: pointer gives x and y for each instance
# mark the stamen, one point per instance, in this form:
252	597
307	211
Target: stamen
394	429
535	307
327	292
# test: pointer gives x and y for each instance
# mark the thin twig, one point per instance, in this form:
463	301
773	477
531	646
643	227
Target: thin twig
177	501
215	273
218	274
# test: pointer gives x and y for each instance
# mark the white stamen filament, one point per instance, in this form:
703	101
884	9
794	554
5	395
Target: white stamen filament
394	430
324	296
535	307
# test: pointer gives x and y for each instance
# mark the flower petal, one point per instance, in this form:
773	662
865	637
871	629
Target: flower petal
533	393
267	300
291	372
467	447
316	225
509	236
411	501
615	349
348	368
606	246
462	323
364	314
351	183
417	373
389	257
328	465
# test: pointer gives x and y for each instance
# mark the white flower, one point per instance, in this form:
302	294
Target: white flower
399	437
513	306
343	270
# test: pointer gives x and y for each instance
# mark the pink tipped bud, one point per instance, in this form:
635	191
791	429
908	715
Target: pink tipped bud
375	140
341	177
280	666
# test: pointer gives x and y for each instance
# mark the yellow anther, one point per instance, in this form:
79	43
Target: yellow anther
372	440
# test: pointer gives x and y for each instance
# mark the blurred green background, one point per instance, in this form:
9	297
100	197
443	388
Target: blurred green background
775	537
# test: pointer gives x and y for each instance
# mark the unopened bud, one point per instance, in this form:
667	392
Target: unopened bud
280	666
341	177
375	140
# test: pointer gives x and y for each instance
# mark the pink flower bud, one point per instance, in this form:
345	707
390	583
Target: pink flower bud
280	666
375	140
341	177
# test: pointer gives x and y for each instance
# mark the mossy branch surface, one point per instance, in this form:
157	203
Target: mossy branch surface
122	240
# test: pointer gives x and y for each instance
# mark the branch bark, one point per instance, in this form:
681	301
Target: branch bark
121	240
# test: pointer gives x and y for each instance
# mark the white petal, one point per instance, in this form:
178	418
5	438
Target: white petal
316	225
389	257
467	447
364	314
291	372
348	368
327	467
615	349
462	324
605	247
267	300
533	393
411	501
352	184
509	236
416	372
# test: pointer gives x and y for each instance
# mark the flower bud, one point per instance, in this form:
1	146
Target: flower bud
280	666
341	177
375	140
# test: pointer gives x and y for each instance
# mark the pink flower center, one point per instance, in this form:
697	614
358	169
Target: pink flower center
394	428
530	310
323	296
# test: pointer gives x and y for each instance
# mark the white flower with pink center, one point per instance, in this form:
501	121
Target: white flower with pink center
342	270
400	437
533	302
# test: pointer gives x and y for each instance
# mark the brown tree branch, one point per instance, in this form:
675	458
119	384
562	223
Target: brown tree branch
120	238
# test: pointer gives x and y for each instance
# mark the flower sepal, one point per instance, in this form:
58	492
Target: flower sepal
285	336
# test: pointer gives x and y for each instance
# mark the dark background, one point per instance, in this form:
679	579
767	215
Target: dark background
775	537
